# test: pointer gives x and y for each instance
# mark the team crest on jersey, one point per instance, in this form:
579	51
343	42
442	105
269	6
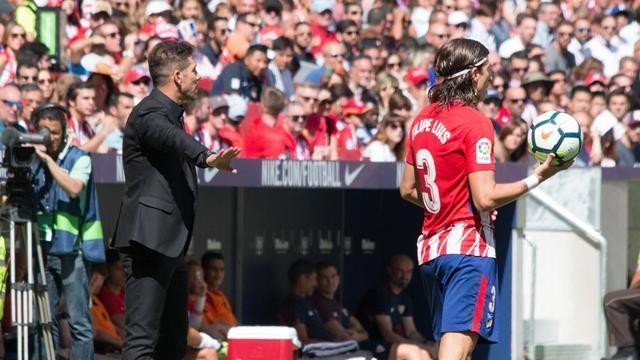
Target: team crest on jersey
483	151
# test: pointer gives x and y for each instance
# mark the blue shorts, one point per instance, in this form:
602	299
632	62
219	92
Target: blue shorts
463	293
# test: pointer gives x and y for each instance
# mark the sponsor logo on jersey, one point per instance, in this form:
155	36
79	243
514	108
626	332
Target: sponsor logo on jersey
483	151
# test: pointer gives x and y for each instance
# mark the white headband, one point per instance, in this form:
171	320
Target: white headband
462	72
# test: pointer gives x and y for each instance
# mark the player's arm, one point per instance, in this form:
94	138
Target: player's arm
383	322
337	330
411	331
409	186
488	195
360	334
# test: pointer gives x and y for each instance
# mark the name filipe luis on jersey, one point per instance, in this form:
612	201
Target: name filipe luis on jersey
433	126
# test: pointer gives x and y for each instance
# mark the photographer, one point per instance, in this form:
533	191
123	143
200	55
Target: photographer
68	224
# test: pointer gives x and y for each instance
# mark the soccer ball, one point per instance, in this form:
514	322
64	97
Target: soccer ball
555	132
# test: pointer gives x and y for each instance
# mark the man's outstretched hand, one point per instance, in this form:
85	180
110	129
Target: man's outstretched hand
222	160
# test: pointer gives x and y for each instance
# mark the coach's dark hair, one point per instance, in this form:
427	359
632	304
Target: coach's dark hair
210	256
454	56
166	57
298	268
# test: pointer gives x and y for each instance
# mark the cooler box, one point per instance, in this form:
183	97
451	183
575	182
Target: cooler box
262	343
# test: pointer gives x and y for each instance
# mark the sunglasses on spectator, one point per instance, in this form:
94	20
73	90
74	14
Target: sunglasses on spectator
524	70
337	55
45	81
299	118
305	34
140	81
18	35
583	30
325	102
492	101
498	86
393	65
516	101
28	78
252	24
395	126
16	104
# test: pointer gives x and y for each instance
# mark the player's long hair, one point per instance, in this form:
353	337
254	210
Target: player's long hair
455	56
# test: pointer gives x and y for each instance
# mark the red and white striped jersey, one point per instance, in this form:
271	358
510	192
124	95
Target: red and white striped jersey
444	147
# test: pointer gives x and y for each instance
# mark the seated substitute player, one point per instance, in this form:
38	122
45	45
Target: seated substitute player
450	172
387	312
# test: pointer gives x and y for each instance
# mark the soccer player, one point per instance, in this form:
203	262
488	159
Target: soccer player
450	173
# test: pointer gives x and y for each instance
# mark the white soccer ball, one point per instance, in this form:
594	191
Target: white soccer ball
555	132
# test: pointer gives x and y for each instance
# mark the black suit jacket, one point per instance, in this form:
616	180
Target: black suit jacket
158	208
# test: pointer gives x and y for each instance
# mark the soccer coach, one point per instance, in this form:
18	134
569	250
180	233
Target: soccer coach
158	209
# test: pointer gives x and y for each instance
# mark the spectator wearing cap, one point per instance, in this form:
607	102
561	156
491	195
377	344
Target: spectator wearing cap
549	16
417	80
558	56
628	147
605	46
31	99
279	74
245	77
157	12
458	24
347	144
603	151
207	133
119	106
230	133
297	146
525	31
596	82
489	106
559	90
538	87
265	139
137	82
582	35
347	32
321	20
216	39
240	40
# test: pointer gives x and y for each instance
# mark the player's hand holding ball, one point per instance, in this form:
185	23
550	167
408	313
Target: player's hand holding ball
555	139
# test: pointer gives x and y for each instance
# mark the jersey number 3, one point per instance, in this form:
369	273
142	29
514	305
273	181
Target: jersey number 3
430	194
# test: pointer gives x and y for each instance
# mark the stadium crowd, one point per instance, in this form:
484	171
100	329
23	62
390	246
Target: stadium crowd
319	80
326	79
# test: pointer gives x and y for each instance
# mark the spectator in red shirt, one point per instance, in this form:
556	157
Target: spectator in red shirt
265	139
236	113
348	147
112	293
321	19
293	121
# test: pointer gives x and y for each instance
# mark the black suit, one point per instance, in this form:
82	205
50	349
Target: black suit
155	225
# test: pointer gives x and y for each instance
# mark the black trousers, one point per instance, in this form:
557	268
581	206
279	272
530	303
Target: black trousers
156	296
622	310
